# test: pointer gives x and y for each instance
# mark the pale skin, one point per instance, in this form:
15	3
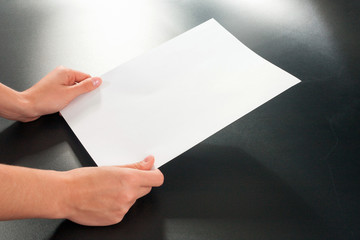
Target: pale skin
93	196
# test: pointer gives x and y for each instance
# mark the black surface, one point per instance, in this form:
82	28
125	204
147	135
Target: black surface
288	170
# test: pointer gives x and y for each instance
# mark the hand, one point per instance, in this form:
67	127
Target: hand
101	196
56	90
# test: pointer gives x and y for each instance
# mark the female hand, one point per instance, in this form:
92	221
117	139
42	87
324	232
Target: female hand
56	90
99	196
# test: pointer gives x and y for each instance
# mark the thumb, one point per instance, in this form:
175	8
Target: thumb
145	164
86	85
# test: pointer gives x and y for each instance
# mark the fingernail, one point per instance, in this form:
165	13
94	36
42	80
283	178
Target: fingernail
96	81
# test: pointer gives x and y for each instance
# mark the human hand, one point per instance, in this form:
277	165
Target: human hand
100	196
55	91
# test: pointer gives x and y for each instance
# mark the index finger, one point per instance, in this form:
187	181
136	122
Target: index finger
76	76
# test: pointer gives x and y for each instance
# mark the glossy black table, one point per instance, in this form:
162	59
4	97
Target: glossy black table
288	170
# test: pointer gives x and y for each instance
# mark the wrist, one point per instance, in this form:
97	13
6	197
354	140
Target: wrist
62	198
26	107
51	200
15	105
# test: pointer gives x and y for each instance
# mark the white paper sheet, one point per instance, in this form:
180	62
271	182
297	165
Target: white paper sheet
173	97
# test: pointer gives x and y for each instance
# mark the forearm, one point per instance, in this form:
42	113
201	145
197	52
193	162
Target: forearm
31	193
14	105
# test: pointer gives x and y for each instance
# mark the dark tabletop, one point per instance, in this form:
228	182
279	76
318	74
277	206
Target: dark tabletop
287	170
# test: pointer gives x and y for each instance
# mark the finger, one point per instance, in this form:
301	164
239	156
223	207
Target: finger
144	191
77	76
72	76
152	178
145	164
85	86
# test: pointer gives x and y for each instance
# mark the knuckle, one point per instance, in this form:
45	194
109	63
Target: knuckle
129	197
118	217
62	69
148	190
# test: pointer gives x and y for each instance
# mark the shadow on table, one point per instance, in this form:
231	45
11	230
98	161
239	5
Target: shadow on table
213	192
23	140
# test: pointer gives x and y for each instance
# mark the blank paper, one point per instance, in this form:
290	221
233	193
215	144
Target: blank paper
169	99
